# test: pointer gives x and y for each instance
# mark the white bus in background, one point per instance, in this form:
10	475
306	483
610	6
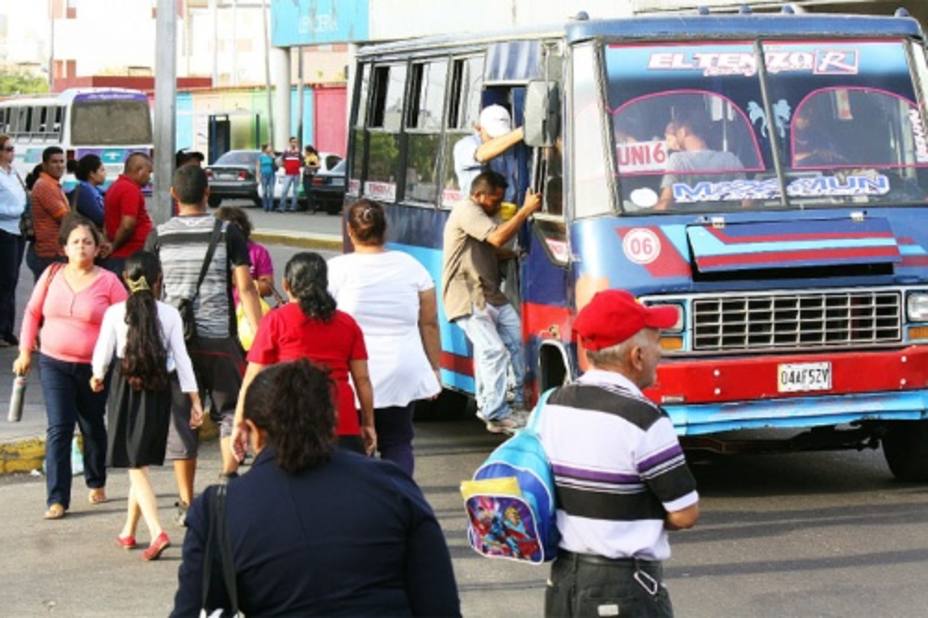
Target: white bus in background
108	122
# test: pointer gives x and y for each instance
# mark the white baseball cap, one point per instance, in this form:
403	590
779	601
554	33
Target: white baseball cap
495	120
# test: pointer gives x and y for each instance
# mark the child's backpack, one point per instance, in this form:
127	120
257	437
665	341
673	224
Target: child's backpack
510	502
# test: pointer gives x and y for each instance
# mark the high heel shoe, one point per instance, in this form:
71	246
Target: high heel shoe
126	542
156	547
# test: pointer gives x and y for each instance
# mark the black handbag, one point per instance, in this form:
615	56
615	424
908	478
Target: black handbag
26	224
217	540
185	305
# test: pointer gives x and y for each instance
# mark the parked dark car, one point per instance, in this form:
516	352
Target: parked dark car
232	176
328	189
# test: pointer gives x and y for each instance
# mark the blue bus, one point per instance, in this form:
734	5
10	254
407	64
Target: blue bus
767	174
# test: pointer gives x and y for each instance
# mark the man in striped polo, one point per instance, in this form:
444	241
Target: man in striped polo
622	480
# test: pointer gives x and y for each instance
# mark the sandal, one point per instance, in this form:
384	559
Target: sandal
55	511
97	496
156	547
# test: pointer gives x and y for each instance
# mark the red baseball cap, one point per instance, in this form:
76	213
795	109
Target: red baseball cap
613	316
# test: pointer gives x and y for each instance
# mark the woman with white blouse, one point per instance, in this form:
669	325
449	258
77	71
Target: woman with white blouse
392	298
12	244
146	336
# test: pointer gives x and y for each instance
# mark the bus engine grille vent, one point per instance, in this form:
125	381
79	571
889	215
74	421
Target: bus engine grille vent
854	318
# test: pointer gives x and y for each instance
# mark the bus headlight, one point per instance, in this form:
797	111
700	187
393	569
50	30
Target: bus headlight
678	325
916	307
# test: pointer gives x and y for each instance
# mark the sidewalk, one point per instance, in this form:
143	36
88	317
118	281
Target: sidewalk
22	444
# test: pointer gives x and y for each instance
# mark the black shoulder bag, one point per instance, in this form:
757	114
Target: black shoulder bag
218	539
26	223
185	306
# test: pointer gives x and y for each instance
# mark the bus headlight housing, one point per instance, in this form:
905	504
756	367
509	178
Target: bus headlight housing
916	307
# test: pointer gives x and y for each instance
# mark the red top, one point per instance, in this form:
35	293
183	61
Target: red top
293	160
125	198
286	334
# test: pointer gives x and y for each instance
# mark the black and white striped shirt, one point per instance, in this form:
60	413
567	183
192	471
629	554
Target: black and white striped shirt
181	243
618	468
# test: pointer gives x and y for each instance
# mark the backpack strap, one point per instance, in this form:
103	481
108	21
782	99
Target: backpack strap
213	241
535	417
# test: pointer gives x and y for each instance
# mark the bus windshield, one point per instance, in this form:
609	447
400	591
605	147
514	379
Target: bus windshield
691	129
110	122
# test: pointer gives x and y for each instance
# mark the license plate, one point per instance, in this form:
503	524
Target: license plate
800	377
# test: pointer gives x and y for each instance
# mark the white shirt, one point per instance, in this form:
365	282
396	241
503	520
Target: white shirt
112	339
381	292
12	201
616	458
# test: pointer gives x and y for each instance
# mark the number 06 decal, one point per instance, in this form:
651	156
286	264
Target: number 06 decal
641	245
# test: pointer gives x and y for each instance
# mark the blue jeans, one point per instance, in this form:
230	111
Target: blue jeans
294	183
267	192
68	399
496	334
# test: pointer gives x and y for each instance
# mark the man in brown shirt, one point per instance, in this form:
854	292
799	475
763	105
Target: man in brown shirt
49	206
473	300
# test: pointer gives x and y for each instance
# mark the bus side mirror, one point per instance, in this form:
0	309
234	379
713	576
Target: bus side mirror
542	107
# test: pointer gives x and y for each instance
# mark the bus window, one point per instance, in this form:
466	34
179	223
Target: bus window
42	126
5	120
58	118
423	123
851	128
463	111
110	122
384	122
591	185
357	137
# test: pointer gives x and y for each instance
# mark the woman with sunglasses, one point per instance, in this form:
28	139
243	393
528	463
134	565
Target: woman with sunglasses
12	244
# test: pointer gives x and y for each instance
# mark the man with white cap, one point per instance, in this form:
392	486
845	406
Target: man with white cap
490	147
621	477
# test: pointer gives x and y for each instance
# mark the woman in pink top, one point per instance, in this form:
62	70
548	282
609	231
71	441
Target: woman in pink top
69	301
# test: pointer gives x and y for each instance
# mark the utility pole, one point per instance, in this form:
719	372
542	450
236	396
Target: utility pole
267	75
51	46
299	95
214	10
234	42
165	107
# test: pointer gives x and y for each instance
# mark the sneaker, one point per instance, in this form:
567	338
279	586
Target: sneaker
508	425
521	414
481	416
180	515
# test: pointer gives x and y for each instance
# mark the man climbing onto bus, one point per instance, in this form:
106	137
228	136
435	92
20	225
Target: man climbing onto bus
692	160
491	146
621	476
473	299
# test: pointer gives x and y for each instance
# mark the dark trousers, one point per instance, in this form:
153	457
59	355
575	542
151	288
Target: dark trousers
591	586
38	264
394	435
69	400
307	191
11	258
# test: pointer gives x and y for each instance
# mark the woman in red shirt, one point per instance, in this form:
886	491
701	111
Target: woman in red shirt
309	326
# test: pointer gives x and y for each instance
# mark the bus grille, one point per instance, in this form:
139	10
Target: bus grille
796	321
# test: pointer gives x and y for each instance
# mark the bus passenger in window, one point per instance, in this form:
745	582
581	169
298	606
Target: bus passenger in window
692	160
473	299
490	147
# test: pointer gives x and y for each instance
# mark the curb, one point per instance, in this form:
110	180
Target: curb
302	240
27	454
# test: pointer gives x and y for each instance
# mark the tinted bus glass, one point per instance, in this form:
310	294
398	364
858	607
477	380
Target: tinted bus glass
110	122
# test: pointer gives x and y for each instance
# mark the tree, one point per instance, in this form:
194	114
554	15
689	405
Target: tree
21	83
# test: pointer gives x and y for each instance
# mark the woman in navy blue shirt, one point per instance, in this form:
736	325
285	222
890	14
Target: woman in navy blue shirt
315	530
86	197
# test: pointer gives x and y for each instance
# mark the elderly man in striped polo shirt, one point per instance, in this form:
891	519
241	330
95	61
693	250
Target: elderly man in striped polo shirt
622	480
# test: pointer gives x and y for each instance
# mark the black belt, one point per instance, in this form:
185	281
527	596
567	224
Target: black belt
604	561
647	573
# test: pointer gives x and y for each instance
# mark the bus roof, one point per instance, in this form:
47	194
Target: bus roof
65	96
692	27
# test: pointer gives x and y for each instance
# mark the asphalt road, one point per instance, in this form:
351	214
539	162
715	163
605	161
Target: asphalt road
818	534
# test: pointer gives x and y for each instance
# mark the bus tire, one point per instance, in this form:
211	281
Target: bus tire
448	406
905	447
